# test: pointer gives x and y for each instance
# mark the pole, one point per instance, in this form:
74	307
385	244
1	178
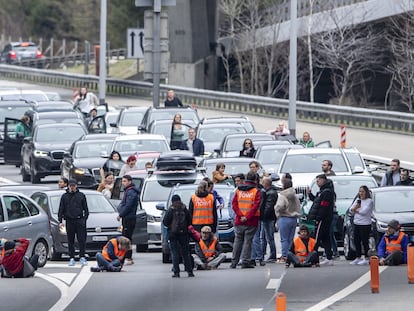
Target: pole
293	66
102	54
374	267
410	264
343	136
281	301
156	55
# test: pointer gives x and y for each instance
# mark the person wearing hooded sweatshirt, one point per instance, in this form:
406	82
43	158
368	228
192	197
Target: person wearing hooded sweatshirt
12	260
322	212
127	210
287	210
246	204
202	208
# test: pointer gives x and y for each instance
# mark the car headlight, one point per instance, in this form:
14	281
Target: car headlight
79	171
120	228
40	154
150	218
381	226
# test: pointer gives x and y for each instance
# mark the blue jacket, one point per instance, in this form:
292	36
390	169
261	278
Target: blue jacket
198	147
128	207
382	252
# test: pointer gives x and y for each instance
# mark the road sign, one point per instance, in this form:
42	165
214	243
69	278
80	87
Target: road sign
135	43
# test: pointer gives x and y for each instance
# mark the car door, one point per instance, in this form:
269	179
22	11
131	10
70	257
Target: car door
97	125
12	141
17	218
140	235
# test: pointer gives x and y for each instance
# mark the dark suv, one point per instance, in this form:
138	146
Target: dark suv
15	52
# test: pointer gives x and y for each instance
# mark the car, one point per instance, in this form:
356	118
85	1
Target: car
46	117
234	166
42	153
29	95
145	157
389	203
52	105
213	134
26	189
163	127
25	219
128	120
225	225
15	52
243	120
271	155
346	188
84	160
102	224
127	145
232	143
110	118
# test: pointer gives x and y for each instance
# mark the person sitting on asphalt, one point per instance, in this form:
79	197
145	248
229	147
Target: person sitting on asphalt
302	252
14	262
208	252
392	249
112	257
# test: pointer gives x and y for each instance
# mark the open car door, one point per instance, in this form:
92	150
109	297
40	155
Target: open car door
97	125
13	140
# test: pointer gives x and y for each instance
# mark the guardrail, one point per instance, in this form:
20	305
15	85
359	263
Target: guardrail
255	105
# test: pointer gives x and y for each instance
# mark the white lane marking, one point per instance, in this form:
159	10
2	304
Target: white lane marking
7	181
345	292
68	293
61	265
65	277
256	309
273	284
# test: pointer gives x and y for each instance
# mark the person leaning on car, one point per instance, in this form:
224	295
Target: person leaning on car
392	249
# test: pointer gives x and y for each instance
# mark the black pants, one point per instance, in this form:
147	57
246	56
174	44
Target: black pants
361	236
128	226
76	227
180	245
323	237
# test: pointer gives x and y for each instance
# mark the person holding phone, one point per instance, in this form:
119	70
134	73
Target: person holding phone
362	210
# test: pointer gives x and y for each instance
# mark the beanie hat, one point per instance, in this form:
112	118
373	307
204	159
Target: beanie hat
175	198
394	224
9	245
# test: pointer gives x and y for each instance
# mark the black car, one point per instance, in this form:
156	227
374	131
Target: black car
42	153
84	160
389	203
15	52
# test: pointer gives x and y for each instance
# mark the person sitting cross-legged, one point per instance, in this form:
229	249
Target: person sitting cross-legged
302	252
392	249
208	252
113	255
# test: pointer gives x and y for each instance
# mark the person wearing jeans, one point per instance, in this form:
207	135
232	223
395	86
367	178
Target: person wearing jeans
269	217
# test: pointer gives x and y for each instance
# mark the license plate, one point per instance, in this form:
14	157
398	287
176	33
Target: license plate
99	238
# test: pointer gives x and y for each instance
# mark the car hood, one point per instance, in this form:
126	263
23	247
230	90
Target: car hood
102	220
53	146
403	218
149	207
89	162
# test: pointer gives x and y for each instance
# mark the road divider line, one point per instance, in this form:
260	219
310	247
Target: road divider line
364	279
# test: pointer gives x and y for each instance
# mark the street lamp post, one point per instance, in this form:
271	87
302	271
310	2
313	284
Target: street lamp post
293	66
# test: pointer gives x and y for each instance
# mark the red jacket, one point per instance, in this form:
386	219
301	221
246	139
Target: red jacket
13	258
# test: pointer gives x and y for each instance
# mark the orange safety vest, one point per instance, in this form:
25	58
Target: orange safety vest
300	248
118	252
246	201
394	245
203	210
209	251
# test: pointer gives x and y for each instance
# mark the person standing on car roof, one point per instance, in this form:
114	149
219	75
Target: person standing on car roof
74	209
177	132
202	208
193	144
127	210
172	100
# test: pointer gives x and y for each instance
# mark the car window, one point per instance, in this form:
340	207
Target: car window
32	208
141	145
118	192
11	112
231	168
131	118
99	204
394	201
92	150
271	156
355	160
217	134
311	163
158	190
41	200
59	133
15	208
1	213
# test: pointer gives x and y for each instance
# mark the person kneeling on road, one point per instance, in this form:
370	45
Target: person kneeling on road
14	262
392	249
113	255
302	252
208	252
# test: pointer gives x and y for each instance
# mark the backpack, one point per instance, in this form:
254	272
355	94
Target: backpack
179	222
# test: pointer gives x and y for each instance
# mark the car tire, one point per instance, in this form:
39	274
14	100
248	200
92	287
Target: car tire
42	250
141	247
25	175
349	253
34	178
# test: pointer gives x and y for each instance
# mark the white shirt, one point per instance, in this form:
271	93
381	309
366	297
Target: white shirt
363	216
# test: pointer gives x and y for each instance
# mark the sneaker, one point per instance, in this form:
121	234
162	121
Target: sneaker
327	262
233	266
262	263
129	262
176	275
363	262
83	261
282	260
95	269
356	261
71	262
190	274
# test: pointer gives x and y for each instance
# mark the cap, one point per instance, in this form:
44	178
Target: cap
206	229
394	224
9	245
175	198
72	182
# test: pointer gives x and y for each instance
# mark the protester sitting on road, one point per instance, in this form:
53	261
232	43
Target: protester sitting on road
248	149
218	174
306	140
302	252
14	262
392	249
112	257
208	251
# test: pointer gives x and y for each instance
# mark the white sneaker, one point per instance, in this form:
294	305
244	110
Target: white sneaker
71	262
356	261
327	262
363	262
129	262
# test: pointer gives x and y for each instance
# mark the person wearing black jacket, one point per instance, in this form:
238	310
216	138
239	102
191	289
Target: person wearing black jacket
322	212
269	217
74	209
127	210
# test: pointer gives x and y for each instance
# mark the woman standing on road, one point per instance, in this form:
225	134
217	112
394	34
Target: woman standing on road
362	210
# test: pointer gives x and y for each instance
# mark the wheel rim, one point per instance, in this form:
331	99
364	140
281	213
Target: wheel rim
41	250
346	244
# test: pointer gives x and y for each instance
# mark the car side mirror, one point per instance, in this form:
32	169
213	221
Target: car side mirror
160	206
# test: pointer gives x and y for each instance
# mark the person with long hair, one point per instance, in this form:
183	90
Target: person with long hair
177	132
115	156
248	149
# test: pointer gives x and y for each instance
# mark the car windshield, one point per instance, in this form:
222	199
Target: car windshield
131	118
271	156
347	188
216	134
132	146
159	190
59	134
96	204
355	160
232	168
92	150
311	163
236	143
394	201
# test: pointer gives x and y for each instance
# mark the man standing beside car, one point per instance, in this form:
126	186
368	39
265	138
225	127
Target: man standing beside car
392	176
74	209
193	144
127	210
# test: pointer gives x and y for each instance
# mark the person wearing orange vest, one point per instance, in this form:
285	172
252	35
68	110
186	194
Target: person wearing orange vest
202	208
2	250
392	249
246	203
208	251
113	254
302	252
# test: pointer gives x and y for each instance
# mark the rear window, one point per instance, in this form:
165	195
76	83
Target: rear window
311	163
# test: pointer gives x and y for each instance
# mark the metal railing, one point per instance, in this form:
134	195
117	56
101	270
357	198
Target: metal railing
254	105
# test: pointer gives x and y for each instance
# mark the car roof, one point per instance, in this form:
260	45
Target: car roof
228	160
140	137
53	125
96	136
132	108
393	189
55	114
19	91
216	125
60	191
315	151
16	102
91	141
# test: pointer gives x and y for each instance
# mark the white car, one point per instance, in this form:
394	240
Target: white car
127	145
